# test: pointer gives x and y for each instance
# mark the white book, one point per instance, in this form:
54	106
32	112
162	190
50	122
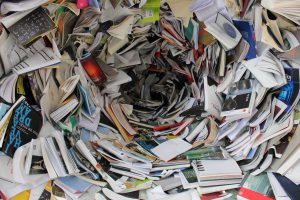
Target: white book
219	182
290	162
127	173
213	103
108	146
64	110
69	162
239	151
12	53
55	157
257	159
287	8
206	190
132	169
264	165
241	125
267	69
171	148
171	167
225	32
48	163
209	169
196	131
261	115
238	140
29	157
294	173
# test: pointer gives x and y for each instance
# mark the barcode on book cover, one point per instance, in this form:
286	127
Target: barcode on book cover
198	165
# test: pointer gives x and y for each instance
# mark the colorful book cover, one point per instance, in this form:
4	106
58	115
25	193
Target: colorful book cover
248	34
151	11
289	93
31	27
25	124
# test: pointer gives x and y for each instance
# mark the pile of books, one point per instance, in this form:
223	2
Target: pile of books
149	99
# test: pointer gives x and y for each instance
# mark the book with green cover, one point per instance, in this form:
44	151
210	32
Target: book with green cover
151	11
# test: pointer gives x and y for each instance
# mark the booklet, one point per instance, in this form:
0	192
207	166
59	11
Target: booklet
240	99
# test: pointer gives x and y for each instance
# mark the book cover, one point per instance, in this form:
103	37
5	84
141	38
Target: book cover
31	27
239	99
248	34
24	125
289	187
289	93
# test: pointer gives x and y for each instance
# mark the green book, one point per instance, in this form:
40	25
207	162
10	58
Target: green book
151	11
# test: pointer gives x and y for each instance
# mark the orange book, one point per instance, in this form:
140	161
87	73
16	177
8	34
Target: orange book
205	38
127	137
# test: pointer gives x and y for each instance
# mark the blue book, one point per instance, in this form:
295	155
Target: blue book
247	32
74	184
88	108
291	189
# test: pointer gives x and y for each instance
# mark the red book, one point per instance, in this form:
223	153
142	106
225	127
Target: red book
212	196
160	128
252	195
93	70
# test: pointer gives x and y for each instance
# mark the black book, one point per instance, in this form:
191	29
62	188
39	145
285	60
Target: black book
25	124
31	27
289	186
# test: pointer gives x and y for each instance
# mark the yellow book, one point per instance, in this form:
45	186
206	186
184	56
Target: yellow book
22	195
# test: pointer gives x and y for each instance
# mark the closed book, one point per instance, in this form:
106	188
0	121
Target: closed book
24	125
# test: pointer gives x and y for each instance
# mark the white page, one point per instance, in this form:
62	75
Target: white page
206	10
294	173
6	171
24	5
43	58
13	18
171	148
